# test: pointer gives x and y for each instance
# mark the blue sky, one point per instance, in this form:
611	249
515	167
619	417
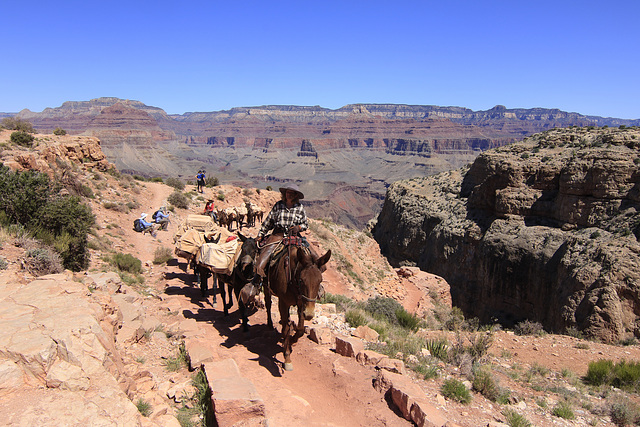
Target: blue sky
579	56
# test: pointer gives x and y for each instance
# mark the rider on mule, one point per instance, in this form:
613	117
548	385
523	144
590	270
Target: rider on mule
286	217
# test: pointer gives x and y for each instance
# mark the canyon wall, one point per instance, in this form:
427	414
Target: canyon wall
544	230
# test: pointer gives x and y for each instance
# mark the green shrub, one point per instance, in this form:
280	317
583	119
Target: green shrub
484	383
455	390
599	372
383	308
175	183
162	255
563	410
22	138
220	196
126	262
23	194
156	179
3	264
59	131
514	419
144	407
407	320
355	318
179	200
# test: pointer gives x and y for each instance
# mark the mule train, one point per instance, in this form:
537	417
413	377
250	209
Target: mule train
294	275
246	214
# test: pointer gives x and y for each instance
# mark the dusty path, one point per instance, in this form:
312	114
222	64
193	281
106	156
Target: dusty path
324	389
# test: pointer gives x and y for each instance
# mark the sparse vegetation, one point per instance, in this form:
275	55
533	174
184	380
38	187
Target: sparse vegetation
455	390
22	138
125	262
162	255
179	200
144	407
59	131
175	183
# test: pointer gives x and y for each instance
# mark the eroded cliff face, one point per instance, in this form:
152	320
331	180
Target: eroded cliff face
545	230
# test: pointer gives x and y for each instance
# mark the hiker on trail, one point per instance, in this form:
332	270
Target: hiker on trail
161	217
209	210
148	226
287	217
201	178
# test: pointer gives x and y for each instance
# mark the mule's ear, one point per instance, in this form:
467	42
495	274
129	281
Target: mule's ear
323	259
242	237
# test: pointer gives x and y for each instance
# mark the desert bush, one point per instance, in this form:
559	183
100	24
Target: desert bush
3	264
212	182
23	194
514	419
118	207
68	222
527	327
22	138
175	183
162	255
14	123
179	200
126	262
484	383
220	196
455	390
42	260
563	410
59	131
383	308
407	320
355	318
624	413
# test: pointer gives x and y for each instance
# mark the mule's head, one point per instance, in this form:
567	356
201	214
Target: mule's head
247	255
310	280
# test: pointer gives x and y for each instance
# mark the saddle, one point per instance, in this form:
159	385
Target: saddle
287	241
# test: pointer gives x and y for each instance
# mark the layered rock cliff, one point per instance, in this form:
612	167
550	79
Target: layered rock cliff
546	230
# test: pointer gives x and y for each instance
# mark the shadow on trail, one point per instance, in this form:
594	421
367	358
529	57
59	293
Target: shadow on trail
260	340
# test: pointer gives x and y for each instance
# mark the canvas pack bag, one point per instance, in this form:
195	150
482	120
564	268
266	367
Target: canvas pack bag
219	258
189	243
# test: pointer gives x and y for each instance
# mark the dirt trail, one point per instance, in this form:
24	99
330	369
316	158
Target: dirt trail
324	389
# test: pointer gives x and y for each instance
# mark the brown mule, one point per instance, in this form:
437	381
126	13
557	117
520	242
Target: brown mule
295	280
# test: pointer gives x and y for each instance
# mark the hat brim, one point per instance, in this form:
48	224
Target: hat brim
284	189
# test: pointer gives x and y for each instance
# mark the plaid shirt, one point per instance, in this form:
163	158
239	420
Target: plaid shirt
282	218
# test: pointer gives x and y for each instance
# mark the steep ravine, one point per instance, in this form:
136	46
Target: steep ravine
544	230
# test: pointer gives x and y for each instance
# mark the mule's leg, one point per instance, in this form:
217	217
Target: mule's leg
214	286
267	303
243	314
227	306
300	325
204	276
286	334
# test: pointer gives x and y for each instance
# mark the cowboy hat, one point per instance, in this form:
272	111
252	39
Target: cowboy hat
292	187
143	216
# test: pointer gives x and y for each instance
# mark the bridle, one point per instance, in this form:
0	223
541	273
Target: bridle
298	282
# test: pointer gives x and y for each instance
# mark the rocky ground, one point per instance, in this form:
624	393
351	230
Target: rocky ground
87	348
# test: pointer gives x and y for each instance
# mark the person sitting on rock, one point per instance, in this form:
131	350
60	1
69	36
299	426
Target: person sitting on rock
210	210
162	218
287	217
149	227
